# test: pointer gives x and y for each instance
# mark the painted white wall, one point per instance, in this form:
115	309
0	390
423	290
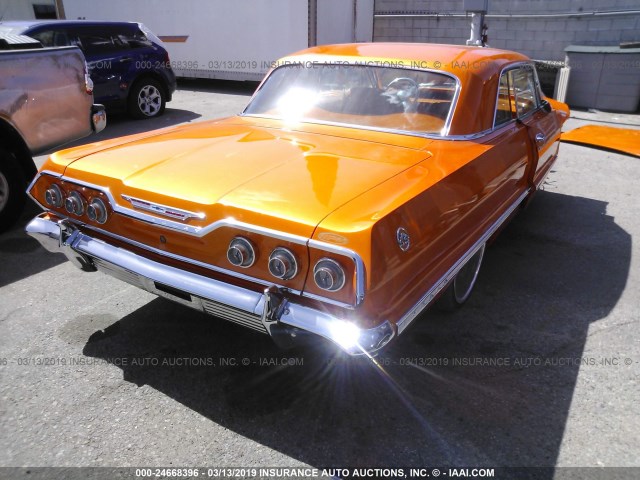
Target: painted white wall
336	25
20	9
235	39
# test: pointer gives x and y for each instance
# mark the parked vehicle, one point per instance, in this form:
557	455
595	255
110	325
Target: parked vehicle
224	39
45	101
128	64
362	182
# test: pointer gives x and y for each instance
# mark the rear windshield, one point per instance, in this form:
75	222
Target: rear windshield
359	95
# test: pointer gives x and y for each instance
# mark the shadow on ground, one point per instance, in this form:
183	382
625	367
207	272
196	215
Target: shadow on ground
22	256
542	285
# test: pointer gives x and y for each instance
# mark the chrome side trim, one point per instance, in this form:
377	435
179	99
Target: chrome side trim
428	297
238	304
164	210
202	231
191	261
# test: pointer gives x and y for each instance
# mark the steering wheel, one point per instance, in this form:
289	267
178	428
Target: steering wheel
403	90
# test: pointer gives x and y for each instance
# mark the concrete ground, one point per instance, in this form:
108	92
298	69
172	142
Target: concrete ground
540	368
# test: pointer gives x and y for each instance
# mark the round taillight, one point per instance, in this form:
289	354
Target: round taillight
74	204
329	275
283	264
97	211
53	196
241	253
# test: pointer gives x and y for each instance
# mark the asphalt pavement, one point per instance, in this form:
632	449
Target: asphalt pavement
540	368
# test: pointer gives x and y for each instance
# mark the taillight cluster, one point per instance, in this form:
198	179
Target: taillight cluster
75	203
282	263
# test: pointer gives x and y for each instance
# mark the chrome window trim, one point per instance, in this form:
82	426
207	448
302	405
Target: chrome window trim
201	231
539	98
444	131
429	296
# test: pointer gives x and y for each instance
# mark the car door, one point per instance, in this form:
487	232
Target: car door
542	124
107	59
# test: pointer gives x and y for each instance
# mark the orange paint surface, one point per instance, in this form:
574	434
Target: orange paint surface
348	187
623	140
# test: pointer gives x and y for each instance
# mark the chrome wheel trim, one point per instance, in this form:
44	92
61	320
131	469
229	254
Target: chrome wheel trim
4	191
466	278
149	100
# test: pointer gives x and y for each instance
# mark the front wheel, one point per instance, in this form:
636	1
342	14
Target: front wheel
12	190
146	99
460	288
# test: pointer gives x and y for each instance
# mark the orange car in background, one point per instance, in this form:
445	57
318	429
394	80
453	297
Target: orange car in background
361	183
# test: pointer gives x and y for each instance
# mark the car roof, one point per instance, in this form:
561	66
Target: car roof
457	59
28	24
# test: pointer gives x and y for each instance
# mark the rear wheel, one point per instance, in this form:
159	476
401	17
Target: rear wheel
12	190
146	99
460	288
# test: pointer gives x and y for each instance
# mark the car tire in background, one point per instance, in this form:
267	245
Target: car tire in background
12	190
147	99
460	288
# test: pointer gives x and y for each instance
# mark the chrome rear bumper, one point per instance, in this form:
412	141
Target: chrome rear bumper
269	312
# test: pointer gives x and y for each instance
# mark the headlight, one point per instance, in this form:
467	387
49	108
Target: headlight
241	253
53	196
97	211
74	204
283	264
329	275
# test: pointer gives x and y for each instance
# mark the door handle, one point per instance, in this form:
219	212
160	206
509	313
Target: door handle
540	138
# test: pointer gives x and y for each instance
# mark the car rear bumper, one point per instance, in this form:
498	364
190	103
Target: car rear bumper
269	312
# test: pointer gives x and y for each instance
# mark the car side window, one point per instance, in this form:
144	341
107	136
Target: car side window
135	38
97	41
57	37
119	39
94	43
505	107
45	37
524	85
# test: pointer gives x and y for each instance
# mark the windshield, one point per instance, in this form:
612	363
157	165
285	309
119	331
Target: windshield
368	96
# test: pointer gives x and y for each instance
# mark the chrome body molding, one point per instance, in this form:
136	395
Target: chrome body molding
202	231
433	292
260	311
164	210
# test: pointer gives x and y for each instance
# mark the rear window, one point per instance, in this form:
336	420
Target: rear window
369	96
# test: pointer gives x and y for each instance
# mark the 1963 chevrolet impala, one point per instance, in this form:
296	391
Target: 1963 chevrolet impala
361	183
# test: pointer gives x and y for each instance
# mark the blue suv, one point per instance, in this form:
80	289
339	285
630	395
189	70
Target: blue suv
128	64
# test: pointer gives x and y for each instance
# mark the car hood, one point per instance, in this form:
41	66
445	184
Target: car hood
245	171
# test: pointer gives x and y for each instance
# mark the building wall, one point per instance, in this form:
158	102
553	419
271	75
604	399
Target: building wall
20	9
538	37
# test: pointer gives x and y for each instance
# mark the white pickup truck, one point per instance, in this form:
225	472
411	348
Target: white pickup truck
46	100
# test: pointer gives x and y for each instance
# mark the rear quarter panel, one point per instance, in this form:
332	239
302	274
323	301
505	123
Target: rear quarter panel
445	203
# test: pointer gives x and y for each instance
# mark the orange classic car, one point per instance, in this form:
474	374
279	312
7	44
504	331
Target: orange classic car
361	183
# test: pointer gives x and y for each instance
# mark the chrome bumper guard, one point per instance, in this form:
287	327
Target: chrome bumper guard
270	312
